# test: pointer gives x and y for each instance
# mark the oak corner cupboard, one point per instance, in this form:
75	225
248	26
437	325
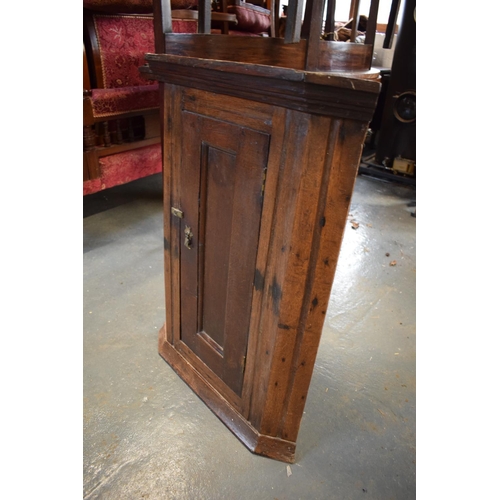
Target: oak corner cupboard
262	138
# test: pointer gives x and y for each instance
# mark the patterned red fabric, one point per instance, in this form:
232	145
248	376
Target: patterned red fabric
109	102
123	41
125	167
184	25
91	186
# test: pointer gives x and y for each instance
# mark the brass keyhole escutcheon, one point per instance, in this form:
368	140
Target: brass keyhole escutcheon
188	237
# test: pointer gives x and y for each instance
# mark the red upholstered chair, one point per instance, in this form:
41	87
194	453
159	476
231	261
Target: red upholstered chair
121	108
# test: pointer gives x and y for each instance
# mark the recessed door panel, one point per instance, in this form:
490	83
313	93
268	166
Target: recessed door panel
221	191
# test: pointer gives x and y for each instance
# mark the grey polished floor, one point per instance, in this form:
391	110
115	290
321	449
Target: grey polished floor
146	435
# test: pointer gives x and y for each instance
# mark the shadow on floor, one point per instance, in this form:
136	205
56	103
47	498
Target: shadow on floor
146	188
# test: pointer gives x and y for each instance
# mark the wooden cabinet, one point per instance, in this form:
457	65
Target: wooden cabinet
260	162
257	191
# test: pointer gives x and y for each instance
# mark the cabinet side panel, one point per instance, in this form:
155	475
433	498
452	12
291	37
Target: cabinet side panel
298	175
170	111
341	169
290	263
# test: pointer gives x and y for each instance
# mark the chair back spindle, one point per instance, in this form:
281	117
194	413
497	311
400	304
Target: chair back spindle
293	21
391	24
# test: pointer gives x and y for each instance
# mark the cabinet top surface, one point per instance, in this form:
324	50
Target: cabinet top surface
365	81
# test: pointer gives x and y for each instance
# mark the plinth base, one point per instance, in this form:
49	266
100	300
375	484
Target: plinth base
257	443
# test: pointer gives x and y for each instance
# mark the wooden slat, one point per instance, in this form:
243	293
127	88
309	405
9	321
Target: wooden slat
86	76
330	19
94	56
91	165
162	23
315	28
305	30
272	7
204	16
293	21
354	19
113	149
265	53
371	29
341	165
277	15
391	24
287	264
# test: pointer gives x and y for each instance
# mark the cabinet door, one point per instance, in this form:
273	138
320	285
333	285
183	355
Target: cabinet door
221	191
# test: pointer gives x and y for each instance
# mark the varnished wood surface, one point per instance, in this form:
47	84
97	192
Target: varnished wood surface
371	28
86	75
355	80
267	51
276	448
310	170
293	22
314	54
261	144
222	174
94	56
318	93
125	146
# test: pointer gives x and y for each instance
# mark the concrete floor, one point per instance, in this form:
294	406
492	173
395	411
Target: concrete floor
147	435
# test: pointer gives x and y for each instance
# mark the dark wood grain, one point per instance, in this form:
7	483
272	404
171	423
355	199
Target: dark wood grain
293	22
354	15
163	23
266	51
341	164
315	28
260	444
371	28
93	53
309	92
391	24
221	183
86	75
204	19
311	167
330	19
261	145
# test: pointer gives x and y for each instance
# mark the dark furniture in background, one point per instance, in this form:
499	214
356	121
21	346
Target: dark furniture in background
391	151
397	133
121	108
121	128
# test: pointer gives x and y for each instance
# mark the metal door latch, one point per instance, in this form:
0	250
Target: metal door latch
177	212
188	237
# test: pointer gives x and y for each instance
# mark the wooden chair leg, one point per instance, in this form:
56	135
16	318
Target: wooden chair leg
107	138
91	169
131	133
89	140
119	135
